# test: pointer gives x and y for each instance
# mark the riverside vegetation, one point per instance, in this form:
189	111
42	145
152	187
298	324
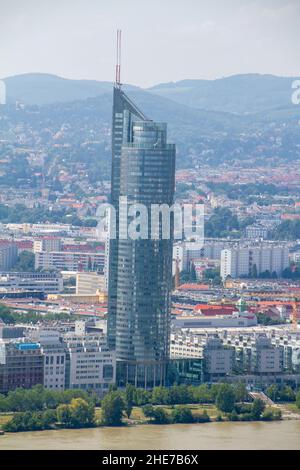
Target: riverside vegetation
40	409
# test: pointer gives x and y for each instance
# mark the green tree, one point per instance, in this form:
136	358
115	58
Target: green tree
233	416
160	396
193	276
182	414
25	261
142	397
3	403
287	394
6	315
82	413
180	394
240	392
298	399
48	418
221	223
203	394
112	407
273	392
129	399
253	271
156	414
225	398
257	408
271	415
202	417
64	415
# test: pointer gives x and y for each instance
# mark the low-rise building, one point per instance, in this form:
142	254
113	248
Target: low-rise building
218	360
244	319
256	232
21	365
70	261
89	283
49	283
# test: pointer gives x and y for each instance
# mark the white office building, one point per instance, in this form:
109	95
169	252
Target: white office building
53	350
90	364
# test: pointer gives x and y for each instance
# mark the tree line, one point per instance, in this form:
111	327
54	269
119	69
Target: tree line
10	317
39	408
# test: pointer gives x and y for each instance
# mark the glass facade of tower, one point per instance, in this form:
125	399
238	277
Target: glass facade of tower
123	112
140	273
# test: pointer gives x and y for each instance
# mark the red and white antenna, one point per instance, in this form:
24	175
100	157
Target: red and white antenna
118	65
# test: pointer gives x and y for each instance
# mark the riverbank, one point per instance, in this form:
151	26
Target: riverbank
288	412
201	413
280	435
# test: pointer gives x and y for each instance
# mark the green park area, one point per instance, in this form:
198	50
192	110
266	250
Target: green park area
41	409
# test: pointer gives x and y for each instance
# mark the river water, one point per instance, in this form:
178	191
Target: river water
210	436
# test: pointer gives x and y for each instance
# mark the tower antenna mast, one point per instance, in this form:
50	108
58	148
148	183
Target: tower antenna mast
118	65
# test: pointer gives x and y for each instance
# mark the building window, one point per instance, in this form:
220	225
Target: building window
108	372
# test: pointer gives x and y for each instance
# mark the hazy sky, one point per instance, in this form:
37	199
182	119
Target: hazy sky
163	40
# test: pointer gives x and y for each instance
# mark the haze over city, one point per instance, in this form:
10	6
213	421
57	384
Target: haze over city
162	40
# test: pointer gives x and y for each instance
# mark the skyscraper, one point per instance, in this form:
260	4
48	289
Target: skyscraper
140	271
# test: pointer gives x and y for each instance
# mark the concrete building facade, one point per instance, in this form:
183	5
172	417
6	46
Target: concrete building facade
253	261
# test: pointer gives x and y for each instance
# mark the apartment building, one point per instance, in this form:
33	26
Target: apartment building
289	343
218	359
253	261
8	255
256	232
266	358
255	354
47	244
70	261
184	253
49	283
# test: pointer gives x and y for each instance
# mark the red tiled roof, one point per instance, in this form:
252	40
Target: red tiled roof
193	286
210	310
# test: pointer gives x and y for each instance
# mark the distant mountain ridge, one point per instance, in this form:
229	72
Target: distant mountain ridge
40	89
238	94
241	94
70	120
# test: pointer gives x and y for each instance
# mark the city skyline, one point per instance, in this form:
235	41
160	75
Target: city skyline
149	236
